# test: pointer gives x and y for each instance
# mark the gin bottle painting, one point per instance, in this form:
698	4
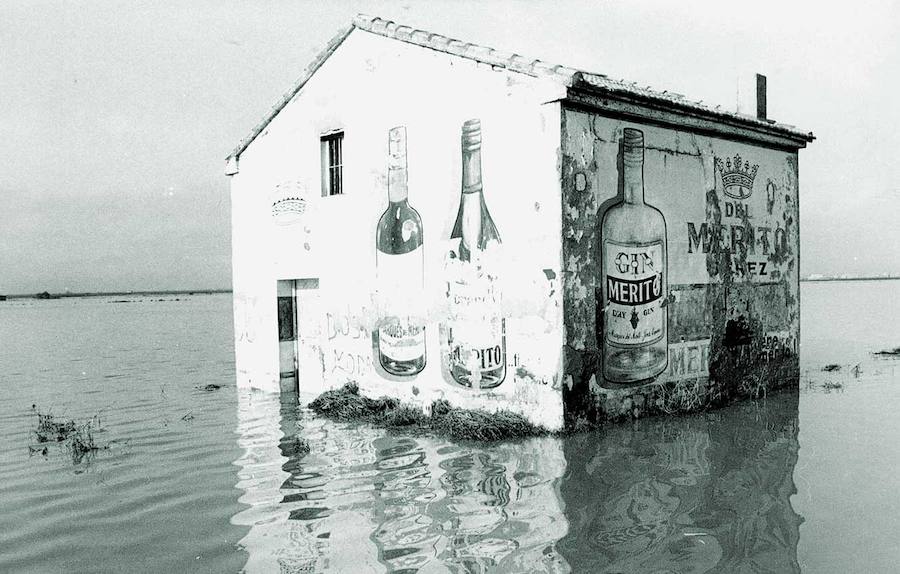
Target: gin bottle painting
633	277
399	260
476	329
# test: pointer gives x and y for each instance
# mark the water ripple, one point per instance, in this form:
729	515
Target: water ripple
220	480
146	501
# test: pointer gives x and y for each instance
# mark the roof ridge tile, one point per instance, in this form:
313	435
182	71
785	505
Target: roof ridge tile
504	60
539	68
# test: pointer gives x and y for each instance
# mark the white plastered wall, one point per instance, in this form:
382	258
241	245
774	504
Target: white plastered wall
369	85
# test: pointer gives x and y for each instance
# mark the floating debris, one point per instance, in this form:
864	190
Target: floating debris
81	442
210	387
832	385
78	438
895	352
51	430
831	368
37	450
346	404
295	448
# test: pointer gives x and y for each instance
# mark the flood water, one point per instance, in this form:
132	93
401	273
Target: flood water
197	476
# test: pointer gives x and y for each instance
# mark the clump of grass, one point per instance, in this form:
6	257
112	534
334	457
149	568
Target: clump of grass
753	385
477	424
831	367
347	404
51	430
405	416
81	442
78	438
895	352
683	396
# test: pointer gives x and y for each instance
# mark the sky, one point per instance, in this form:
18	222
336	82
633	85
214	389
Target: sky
116	117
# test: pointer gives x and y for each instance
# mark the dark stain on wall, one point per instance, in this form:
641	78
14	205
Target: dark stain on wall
579	223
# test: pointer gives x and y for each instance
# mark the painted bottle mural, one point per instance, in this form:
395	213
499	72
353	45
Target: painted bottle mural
476	329
633	277
399	261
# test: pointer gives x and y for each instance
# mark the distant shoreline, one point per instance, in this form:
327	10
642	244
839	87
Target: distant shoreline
118	294
215	291
823	279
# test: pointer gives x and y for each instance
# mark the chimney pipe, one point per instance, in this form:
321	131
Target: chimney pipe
761	97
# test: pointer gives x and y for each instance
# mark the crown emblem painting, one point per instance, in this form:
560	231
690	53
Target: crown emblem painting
288	209
289	202
737	176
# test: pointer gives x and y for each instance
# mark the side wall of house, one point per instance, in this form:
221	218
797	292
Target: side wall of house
368	86
729	257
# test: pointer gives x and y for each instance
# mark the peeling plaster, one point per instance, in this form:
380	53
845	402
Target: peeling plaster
747	325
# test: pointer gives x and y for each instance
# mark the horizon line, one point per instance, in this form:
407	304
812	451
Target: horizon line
58	295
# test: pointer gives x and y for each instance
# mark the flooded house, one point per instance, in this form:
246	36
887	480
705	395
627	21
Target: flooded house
434	219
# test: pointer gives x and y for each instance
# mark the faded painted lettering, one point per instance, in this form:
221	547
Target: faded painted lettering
688	359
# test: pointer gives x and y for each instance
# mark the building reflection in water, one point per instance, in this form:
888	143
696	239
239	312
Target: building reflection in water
702	493
365	500
699	493
309	511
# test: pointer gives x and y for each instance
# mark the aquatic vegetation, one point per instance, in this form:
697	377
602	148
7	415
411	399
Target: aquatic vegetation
347	404
77	438
477	424
51	430
754	385
81	442
685	395
405	415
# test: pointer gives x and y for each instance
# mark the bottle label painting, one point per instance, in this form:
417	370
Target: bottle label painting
472	327
634	286
401	328
475	327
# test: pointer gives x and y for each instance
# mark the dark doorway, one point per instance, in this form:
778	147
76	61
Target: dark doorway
298	334
287	336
